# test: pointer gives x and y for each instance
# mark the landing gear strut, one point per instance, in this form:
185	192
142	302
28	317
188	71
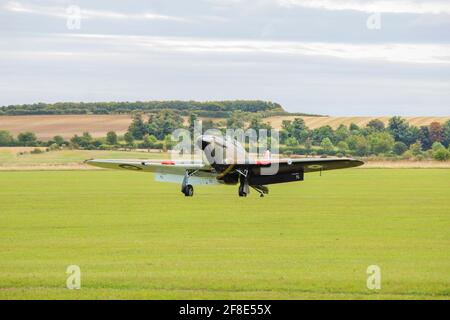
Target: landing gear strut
262	190
244	189
186	188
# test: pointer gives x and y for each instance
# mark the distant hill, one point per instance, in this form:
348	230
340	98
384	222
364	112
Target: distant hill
212	109
47	126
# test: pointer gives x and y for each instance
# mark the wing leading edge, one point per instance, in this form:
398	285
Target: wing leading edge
307	164
160	166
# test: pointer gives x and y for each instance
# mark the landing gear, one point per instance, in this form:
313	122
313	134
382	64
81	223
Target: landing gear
261	195
242	192
186	188
244	189
262	190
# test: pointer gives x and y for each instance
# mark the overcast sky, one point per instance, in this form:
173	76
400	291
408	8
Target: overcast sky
336	57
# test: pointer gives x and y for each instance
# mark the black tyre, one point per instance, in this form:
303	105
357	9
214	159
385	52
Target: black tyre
188	190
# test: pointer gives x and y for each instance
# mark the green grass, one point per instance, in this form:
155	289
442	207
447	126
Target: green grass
135	238
7	158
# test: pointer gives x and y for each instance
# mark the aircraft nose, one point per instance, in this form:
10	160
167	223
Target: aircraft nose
203	141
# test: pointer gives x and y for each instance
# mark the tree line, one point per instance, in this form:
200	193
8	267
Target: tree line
396	140
216	109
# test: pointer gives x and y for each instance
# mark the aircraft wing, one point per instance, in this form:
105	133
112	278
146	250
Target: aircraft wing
160	166
306	164
263	172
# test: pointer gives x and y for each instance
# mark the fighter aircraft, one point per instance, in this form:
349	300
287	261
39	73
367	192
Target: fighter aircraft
231	166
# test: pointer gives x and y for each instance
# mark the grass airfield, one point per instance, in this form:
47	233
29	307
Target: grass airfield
134	238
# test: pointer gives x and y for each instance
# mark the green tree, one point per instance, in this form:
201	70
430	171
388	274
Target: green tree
236	120
351	141
76	141
342	147
376	125
59	140
380	142
286	131
257	124
327	145
129	139
27	139
299	130
354	128
321	133
95	144
362	146
342	133
6	139
437	146
413	134
446	134
150	141
137	127
193	121
308	145
286	125
164	123
441	154
291	142
424	137
207	108
111	138
400	148
416	148
401	131
358	145
86	139
167	144
398	127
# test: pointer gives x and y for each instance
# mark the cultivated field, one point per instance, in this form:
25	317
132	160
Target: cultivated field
46	127
134	238
334	122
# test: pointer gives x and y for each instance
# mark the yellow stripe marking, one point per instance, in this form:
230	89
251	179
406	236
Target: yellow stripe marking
225	172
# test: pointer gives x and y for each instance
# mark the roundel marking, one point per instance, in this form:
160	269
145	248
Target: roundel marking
129	167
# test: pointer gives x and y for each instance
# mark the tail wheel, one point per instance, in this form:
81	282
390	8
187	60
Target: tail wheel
188	190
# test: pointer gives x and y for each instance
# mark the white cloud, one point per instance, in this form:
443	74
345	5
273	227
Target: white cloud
128	44
370	6
61	12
